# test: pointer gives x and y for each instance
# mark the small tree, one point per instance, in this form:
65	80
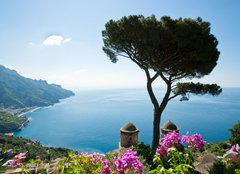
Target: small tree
170	49
235	134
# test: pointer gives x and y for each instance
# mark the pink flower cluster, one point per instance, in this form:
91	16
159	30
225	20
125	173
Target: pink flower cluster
173	139
106	169
96	162
194	141
170	140
17	160
162	151
128	162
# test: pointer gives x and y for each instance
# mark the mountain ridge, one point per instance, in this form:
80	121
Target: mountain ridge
17	91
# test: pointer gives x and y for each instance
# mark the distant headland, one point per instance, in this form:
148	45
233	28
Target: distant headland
17	91
21	95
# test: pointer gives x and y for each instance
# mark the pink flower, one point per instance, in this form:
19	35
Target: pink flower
17	160
194	141
128	162
13	163
184	139
233	148
171	139
162	151
20	156
106	169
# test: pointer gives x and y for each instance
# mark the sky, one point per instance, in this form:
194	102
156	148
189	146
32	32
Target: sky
60	40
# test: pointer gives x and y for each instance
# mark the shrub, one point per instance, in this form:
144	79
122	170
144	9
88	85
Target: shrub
170	160
229	165
218	168
218	149
146	152
95	163
235	134
231	168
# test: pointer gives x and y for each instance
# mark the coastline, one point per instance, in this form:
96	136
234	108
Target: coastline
24	124
20	112
28	119
20	115
29	110
24	111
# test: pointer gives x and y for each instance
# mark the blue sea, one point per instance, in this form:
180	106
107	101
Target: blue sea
90	120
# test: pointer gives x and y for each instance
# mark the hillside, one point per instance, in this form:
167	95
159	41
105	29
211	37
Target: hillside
17	91
11	123
10	146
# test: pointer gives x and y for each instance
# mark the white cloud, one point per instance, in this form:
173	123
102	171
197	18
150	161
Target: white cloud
67	40
55	40
30	44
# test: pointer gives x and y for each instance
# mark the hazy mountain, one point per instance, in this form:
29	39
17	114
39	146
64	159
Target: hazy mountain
17	91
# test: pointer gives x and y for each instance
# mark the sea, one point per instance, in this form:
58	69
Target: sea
91	120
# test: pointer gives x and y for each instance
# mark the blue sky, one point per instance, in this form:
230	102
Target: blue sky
60	40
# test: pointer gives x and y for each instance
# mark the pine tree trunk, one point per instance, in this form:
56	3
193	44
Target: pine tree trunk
158	109
156	128
157	118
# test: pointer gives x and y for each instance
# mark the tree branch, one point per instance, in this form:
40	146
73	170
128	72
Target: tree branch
164	78
150	90
155	76
170	98
139	64
122	55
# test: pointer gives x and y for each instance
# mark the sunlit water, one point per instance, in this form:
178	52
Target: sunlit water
90	120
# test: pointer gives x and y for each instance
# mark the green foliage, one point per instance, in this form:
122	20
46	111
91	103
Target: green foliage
231	168
180	47
10	123
94	163
219	149
173	162
235	134
147	153
237	171
2	169
196	88
18	92
218	168
34	166
221	168
178	162
80	164
32	148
